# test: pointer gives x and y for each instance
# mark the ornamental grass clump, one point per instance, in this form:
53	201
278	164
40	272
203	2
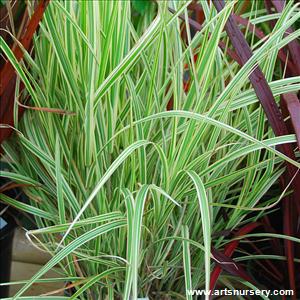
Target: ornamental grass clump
139	149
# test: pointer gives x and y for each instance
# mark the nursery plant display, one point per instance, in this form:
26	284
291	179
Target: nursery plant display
142	151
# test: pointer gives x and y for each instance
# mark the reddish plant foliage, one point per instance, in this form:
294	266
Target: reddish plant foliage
279	127
8	75
228	252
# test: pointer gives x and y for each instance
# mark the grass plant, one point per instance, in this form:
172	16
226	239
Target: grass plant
129	197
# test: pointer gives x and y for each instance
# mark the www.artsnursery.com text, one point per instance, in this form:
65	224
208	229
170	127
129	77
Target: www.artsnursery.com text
237	292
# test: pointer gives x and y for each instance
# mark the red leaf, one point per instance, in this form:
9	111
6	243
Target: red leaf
8	76
293	46
293	107
229	265
229	250
7	72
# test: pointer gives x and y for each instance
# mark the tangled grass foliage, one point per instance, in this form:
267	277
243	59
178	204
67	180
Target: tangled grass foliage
128	196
